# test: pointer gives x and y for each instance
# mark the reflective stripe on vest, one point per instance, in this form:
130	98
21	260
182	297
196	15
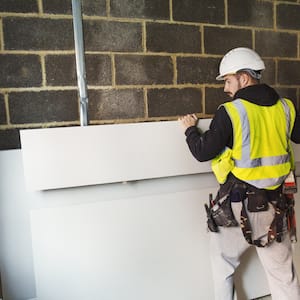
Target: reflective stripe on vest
268	171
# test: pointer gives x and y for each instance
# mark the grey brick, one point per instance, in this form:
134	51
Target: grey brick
214	97
174	102
204	11
9	139
37	34
143	69
88	7
288	16
19	70
152	9
116	104
94	7
289	72
250	13
270	43
3	119
43	107
173	38
19	6
197	69
221	40
61	70
290	93
98	70
112	36
268	75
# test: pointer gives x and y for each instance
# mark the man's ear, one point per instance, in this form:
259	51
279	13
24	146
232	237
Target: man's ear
245	79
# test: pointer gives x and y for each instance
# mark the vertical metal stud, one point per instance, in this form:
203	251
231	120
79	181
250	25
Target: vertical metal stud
80	62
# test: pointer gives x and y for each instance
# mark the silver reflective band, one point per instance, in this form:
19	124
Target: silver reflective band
288	119
263	161
263	183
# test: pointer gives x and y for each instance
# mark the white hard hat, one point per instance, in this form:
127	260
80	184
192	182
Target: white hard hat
240	59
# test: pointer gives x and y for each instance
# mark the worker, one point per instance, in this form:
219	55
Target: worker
248	142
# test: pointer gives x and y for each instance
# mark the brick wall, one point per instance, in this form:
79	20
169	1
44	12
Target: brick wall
146	60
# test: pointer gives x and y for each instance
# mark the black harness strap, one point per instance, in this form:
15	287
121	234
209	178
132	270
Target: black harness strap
275	230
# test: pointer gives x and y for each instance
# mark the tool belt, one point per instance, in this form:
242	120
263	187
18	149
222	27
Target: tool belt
219	212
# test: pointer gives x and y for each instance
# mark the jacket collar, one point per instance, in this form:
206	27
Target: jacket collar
260	94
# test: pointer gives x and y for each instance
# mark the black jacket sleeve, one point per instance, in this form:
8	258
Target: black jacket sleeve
295	136
205	146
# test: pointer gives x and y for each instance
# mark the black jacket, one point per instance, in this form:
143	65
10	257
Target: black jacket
208	145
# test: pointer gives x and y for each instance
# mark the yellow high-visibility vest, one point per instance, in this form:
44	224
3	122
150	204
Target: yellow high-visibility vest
261	154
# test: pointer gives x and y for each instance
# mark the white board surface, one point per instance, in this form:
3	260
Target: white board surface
148	247
78	156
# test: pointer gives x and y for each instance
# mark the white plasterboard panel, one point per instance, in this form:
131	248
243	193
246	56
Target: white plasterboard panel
77	156
151	247
140	248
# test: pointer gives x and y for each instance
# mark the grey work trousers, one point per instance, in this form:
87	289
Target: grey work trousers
227	246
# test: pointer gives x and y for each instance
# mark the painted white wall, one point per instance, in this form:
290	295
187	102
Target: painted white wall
140	240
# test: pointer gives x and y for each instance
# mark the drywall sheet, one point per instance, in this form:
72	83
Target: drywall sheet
78	156
149	247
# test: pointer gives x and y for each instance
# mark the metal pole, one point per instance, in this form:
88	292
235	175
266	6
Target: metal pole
80	63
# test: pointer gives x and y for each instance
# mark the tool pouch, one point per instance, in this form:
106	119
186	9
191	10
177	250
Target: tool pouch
257	199
222	213
212	226
219	212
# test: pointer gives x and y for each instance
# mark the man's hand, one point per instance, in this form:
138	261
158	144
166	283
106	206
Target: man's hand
188	121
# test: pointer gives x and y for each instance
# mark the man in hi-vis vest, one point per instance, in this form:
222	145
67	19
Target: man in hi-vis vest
249	143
